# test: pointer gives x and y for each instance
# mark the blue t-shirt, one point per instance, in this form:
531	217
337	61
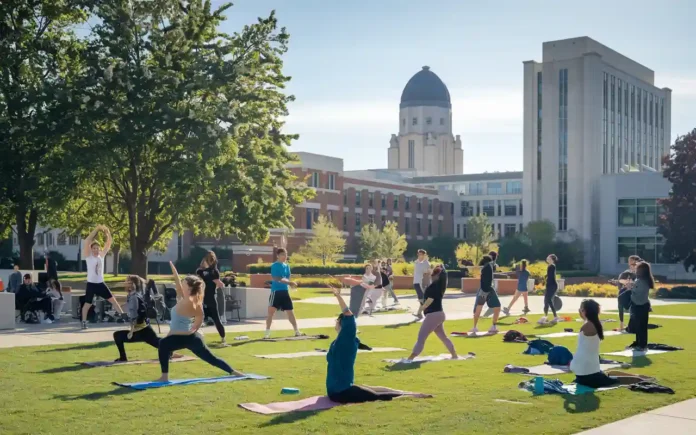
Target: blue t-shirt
279	270
522	278
340	372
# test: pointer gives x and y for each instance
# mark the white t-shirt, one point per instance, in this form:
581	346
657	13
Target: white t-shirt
586	359
420	268
369	279
95	269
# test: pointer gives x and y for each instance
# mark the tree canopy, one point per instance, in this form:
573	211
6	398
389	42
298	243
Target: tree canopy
326	245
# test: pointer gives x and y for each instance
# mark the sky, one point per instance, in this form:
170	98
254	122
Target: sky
350	60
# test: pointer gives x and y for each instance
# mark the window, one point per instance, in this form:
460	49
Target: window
312	216
314	179
459	232
73	240
329	215
439	227
430	227
396	202
500	230
442	121
627	212
407	203
332	182
648	248
494	188
383	197
464	231
638	212
49	239
510	229
357	223
411	154
345	198
407	225
510	208
539	87
648	211
418	226
520	214
61	239
563	148
466	209
370	199
488	207
345	221
439	206
414	121
358	194
500	211
605	120
429	120
520	226
371	218
384	221
419	205
430	205
513	187
40	239
475	188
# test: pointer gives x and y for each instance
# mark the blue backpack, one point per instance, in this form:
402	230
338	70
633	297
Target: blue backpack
560	356
538	347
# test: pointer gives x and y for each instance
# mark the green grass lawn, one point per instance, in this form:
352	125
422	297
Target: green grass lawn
46	382
676	310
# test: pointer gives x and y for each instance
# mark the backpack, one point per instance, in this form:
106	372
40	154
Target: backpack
560	356
30	317
142	308
514	337
538	347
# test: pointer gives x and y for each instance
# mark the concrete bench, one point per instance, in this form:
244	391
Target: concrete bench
253	302
7	310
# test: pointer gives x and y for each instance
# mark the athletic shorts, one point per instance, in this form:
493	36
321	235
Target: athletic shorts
280	300
97	289
596	380
489	298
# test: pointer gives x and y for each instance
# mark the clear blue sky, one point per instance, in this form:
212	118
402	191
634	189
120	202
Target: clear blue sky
349	62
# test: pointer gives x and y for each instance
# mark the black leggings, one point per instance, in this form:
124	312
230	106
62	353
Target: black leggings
146	335
360	394
639	323
548	302
211	310
192	342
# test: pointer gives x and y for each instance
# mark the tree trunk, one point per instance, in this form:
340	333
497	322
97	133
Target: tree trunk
79	254
116	252
25	236
139	263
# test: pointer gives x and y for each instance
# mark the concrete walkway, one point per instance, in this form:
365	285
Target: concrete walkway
457	307
677	419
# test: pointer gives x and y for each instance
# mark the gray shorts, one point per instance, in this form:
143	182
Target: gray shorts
489	298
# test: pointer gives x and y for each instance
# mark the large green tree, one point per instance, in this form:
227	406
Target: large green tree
183	123
479	233
327	243
370	242
39	57
392	243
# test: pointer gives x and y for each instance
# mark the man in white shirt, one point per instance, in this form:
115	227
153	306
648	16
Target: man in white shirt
420	269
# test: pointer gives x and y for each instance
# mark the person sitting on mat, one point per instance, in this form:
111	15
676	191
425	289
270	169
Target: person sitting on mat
186	319
551	289
486	295
522	280
585	363
140	330
434	315
340	371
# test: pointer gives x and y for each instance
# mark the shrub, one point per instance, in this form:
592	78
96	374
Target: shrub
317	282
676	292
588	289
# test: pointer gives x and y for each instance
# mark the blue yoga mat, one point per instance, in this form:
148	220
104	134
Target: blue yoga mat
149	385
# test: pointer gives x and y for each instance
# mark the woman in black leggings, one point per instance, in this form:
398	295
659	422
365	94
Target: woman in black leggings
186	319
551	289
140	330
210	275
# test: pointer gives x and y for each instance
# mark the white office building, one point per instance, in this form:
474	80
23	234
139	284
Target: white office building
588	112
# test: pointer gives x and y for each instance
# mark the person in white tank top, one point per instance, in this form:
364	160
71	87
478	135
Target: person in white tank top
94	257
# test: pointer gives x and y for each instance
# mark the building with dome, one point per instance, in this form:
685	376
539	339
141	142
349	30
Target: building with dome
425	145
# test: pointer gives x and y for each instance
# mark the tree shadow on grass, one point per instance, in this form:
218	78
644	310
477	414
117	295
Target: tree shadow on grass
291	417
65	369
640	361
581	403
399	325
403	367
118	391
100	345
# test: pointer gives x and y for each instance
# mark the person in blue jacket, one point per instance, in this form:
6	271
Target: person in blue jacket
340	373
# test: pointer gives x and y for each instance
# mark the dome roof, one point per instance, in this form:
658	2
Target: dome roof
425	89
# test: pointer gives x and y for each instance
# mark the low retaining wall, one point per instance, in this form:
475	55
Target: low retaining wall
400	282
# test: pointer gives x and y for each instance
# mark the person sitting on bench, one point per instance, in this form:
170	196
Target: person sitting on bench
30	298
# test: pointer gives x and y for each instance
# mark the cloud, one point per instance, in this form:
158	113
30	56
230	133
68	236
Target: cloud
681	86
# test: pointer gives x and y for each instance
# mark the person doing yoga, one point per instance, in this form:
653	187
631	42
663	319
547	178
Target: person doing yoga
140	330
340	371
522	280
186	319
94	257
210	275
434	315
640	305
280	293
625	283
486	295
551	289
586	363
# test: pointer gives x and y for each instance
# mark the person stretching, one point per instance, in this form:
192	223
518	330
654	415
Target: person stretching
625	283
388	272
280	293
94	257
434	315
186	319
358	293
210	275
586	363
522	280
486	295
551	289
376	293
340	371
640	306
140	330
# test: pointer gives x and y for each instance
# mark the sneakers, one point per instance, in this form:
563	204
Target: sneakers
298	333
543	321
47	321
493	328
405	361
526	310
267	335
473	330
223	342
84	325
506	311
555	320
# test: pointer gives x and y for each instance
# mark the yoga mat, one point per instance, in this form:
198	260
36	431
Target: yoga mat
150	385
574	334
630	352
297	338
432	358
549	370
576	390
315	403
319	353
476	335
134	362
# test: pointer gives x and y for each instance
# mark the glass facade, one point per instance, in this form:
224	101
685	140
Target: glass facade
510	207
494	188
539	88
475	188
605	122
466	209
488	207
639	212
510	229
563	149
649	248
513	187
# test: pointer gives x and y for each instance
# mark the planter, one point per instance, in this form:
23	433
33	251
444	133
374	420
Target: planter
470	285
506	286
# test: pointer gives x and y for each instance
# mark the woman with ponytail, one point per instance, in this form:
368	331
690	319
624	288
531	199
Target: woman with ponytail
585	363
186	319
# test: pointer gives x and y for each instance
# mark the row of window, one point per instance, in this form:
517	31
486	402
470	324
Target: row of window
312	216
46	239
648	248
314	181
539	87
508	207
503	230
563	149
428	121
640	142
383	199
492	188
639	212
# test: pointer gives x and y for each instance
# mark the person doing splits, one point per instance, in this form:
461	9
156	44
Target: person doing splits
186	319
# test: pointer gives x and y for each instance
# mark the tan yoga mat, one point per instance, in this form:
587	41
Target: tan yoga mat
575	334
135	362
634	353
319	353
477	334
432	358
549	370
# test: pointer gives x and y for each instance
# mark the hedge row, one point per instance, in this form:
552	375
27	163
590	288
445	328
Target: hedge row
313	269
676	292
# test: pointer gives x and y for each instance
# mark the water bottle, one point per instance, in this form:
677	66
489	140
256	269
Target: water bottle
288	390
539	385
